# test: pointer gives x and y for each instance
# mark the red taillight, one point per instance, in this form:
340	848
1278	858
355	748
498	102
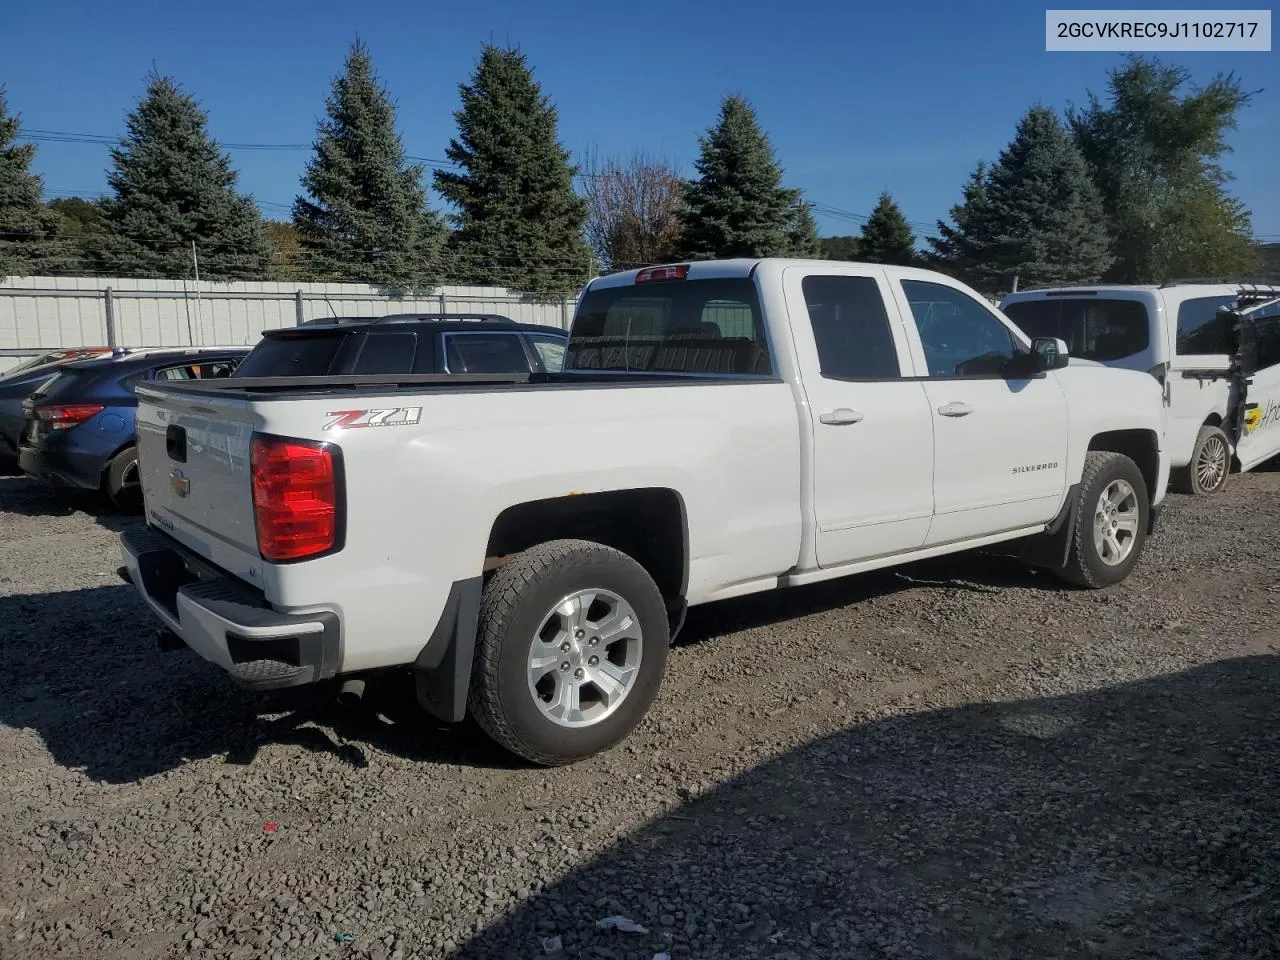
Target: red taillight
677	272
295	497
69	415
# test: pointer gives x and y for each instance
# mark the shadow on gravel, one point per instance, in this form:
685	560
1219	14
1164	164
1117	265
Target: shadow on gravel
972	572
81	669
27	498
1134	821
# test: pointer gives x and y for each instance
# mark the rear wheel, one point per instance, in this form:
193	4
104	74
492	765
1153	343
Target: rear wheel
1111	521
1210	463
571	651
122	482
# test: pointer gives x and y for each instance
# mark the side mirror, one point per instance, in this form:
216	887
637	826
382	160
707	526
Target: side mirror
1050	352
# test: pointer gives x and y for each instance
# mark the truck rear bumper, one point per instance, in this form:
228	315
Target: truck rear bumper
227	622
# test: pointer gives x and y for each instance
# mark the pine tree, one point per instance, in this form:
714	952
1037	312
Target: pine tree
957	249
737	207
365	218
1037	215
28	229
840	248
802	232
82	232
887	237
174	186
1154	155
519	223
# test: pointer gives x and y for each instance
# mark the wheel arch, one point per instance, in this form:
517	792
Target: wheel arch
1140	445
649	524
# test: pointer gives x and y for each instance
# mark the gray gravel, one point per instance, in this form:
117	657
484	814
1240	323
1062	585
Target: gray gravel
958	760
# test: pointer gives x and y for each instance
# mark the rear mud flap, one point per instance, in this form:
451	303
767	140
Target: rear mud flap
442	671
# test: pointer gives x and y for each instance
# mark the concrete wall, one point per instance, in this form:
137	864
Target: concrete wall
42	313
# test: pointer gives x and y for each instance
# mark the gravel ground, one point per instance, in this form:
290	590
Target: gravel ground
957	760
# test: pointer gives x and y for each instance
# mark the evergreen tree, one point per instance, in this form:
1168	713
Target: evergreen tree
802	232
365	218
737	207
519	223
83	231
887	237
1155	157
174	186
840	248
957	249
1038	215
28	229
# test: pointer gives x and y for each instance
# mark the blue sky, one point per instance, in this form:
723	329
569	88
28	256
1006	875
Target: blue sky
857	98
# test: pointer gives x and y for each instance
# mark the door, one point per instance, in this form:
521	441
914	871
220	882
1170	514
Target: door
1260	432
999	445
872	431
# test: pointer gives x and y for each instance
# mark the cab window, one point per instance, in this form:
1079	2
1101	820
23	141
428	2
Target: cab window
961	338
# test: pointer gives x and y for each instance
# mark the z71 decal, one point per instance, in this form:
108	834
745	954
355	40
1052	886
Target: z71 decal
392	417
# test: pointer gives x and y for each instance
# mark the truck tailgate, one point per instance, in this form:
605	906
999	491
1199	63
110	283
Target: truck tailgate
193	458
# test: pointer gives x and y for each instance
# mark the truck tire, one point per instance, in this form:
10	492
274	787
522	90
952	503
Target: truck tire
571	651
1210	464
120	480
1111	521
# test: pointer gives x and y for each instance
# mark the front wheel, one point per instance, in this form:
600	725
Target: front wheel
1111	521
571	651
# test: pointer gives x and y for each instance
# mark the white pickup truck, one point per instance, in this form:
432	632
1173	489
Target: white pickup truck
527	545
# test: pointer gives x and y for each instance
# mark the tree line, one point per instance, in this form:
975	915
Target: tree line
1129	188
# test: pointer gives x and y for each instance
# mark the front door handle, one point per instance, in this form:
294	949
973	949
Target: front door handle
841	417
955	409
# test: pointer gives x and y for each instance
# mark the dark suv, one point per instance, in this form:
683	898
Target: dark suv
424	343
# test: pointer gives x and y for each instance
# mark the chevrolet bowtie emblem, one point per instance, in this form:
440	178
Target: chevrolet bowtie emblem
178	480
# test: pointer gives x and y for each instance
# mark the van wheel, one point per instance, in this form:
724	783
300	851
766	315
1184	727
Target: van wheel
1111	521
122	482
1210	464
571	651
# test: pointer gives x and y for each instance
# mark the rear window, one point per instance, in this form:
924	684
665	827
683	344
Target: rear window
66	382
680	326
485	353
387	353
1202	329
309	356
1094	328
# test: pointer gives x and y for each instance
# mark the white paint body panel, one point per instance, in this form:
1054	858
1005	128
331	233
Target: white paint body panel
1197	390
770	494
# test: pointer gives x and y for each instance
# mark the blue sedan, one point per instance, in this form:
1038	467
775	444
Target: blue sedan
78	431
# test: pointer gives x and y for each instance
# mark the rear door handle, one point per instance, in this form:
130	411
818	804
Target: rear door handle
841	417
955	409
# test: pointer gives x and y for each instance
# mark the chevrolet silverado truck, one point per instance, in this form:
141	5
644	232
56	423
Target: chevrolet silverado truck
527	545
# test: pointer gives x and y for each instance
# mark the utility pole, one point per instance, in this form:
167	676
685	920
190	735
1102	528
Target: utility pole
195	262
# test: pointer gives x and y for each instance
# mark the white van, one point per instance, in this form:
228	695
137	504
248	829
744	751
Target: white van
1214	346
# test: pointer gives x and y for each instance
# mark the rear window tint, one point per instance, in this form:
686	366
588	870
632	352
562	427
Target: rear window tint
309	356
67	382
1094	328
387	353
680	326
485	353
1202	329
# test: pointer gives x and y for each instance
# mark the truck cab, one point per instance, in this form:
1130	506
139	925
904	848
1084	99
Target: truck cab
1189	336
